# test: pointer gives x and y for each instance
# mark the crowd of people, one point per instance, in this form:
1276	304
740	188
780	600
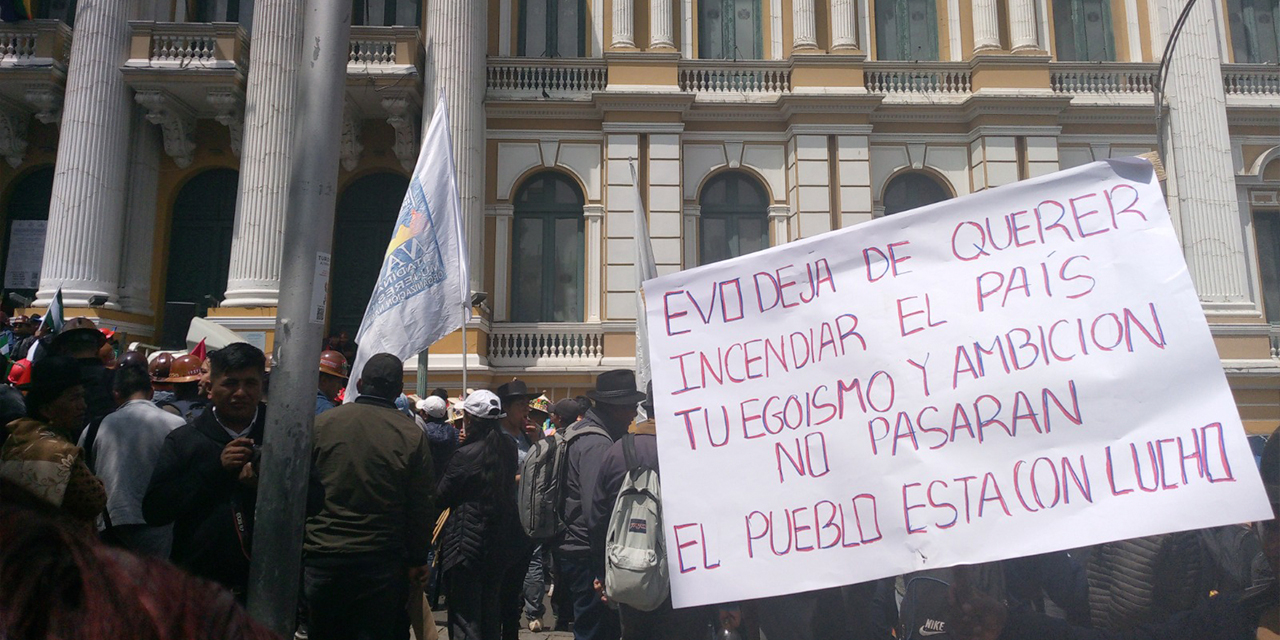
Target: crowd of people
128	487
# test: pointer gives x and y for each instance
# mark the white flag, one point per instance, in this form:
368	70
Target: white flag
646	269
423	290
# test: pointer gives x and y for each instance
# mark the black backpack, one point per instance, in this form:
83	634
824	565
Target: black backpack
926	605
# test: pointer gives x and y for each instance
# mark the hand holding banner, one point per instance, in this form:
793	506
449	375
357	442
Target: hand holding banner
1019	371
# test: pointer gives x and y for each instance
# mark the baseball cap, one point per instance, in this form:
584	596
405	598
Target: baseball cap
433	406
483	404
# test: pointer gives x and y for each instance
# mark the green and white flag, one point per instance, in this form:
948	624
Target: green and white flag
53	320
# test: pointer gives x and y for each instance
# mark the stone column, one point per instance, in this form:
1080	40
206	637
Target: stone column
844	24
661	33
86	213
986	26
1022	25
804	30
457	38
254	276
779	217
1200	148
623	23
140	216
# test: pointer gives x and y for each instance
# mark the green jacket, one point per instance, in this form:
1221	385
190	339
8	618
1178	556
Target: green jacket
372	464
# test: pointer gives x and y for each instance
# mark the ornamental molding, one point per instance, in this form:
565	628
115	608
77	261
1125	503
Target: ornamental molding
229	111
13	135
47	102
176	122
349	147
403	112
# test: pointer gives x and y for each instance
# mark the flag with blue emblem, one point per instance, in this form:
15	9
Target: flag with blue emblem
422	293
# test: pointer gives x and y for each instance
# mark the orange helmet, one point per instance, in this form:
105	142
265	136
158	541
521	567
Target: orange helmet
159	367
334	364
185	369
20	374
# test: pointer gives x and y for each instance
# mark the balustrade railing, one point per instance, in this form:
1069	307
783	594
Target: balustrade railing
546	77
34	43
1102	78
918	77
1251	79
545	344
727	76
199	45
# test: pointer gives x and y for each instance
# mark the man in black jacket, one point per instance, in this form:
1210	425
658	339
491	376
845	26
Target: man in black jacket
615	398
205	482
371	532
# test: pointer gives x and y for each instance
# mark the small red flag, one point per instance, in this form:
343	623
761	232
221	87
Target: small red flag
199	351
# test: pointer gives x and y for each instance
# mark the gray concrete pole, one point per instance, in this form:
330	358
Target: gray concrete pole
308	237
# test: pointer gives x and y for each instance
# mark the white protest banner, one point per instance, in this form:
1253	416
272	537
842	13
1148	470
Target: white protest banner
1019	371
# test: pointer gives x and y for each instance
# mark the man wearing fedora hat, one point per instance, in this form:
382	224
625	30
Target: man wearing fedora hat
521	584
79	338
615	398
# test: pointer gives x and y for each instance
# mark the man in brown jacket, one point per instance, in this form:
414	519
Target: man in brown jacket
368	537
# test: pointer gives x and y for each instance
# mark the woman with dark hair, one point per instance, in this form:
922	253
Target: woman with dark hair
40	454
482	536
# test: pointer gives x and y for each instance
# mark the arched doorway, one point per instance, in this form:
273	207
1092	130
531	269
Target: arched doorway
362	228
548	251
26	218
911	190
200	240
734	217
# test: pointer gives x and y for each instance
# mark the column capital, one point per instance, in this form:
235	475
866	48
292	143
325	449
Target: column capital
593	212
229	105
692	210
500	211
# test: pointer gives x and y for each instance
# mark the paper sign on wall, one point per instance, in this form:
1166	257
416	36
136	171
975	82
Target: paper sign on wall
26	252
1014	372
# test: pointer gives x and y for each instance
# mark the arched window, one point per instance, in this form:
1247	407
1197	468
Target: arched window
553	29
200	239
906	30
911	190
1255	33
365	217
1082	30
221	11
548	247
734	217
386	13
26	219
64	10
730	30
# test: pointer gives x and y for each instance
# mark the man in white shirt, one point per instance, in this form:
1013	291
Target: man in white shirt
125	452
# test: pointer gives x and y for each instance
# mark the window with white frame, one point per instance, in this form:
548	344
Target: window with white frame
730	30
548	250
911	190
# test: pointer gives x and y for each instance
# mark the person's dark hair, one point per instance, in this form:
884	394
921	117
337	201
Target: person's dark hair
584	402
442	393
57	581
129	380
498	475
236	357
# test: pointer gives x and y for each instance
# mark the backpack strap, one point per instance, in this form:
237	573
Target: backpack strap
629	452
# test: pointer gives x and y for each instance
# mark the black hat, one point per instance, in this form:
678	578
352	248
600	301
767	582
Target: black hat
567	408
616	387
515	390
647	404
383	373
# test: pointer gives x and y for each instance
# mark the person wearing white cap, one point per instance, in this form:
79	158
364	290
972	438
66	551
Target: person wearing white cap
442	436
482	537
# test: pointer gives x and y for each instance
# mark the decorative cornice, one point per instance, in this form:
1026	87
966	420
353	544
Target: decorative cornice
176	122
643	127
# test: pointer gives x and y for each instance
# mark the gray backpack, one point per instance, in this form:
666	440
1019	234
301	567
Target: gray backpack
542	479
635	571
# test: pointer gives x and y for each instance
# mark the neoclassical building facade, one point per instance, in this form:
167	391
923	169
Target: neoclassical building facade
146	149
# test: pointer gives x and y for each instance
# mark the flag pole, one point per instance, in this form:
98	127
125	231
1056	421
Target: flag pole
464	358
